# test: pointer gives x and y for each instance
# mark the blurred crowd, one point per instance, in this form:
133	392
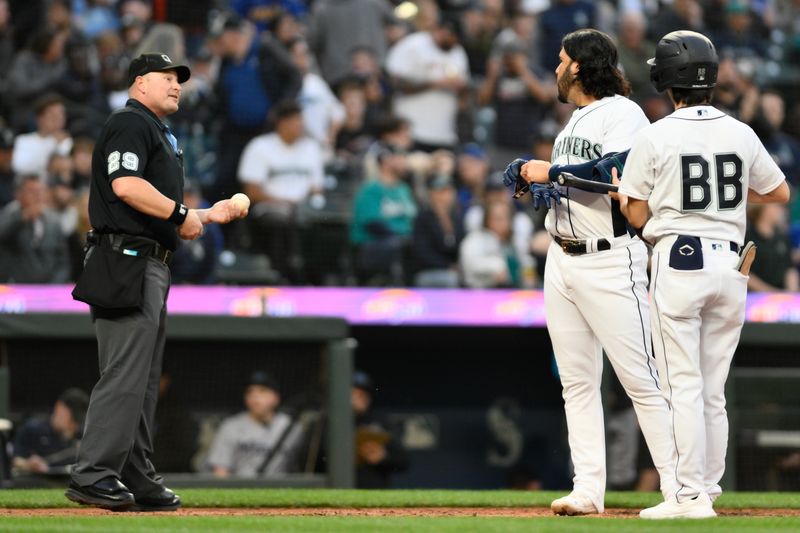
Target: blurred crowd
370	134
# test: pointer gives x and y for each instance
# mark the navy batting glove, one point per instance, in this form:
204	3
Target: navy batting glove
543	195
512	174
614	160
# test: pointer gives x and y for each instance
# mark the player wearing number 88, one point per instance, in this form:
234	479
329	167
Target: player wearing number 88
695	170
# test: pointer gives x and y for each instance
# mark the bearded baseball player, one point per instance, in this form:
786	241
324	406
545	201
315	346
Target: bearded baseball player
595	284
695	170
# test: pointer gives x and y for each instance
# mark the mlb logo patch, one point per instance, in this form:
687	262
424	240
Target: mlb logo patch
701	74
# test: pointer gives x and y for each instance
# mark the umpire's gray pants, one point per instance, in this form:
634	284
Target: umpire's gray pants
118	438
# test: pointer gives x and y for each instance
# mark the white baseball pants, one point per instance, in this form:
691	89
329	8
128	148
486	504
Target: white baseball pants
599	301
697	320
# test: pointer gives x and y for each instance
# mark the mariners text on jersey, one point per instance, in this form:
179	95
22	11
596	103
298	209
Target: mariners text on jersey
578	147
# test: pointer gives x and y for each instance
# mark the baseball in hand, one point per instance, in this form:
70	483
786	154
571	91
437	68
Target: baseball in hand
241	201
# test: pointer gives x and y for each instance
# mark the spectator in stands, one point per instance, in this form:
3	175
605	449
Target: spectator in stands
252	79
429	69
42	444
487	257
391	131
196	261
260	441
438	231
472	170
6	54
176	433
97	18
480	26
784	148
263	13
364	66
740	37
36	71
679	15
355	135
520	97
383	217
162	36
6	173
736	92
323	113
521	224
339	26
634	50
379	451
82	148
563	17
32	246
81	89
279	172
773	270
32	151
62	193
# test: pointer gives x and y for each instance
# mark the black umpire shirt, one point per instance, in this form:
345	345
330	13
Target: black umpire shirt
134	142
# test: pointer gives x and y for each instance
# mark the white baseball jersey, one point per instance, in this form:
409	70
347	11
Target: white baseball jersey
597	302
694	168
695	179
605	126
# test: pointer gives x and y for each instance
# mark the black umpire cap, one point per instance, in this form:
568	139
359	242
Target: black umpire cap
147	63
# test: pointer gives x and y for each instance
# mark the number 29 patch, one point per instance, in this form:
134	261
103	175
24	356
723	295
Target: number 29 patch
129	160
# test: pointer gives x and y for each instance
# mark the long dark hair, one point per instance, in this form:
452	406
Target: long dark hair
596	55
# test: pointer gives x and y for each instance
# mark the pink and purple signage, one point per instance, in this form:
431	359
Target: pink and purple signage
361	306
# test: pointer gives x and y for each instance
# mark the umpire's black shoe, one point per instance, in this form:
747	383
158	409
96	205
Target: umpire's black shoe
108	493
164	500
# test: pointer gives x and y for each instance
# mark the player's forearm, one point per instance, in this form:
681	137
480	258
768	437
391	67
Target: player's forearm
636	211
779	194
142	196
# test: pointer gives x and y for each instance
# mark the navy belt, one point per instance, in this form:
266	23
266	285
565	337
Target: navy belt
578	247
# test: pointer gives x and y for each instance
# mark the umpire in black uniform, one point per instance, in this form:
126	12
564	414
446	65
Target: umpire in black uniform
136	210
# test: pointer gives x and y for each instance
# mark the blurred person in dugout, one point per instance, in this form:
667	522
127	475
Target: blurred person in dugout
260	441
379	451
48	445
33	248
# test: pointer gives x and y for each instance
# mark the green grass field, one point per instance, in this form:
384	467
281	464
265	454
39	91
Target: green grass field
232	498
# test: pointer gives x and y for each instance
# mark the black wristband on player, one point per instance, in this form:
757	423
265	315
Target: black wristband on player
178	214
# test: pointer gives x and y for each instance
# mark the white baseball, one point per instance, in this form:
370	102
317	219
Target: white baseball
241	201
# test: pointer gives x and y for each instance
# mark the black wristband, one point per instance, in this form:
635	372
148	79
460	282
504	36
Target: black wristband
178	214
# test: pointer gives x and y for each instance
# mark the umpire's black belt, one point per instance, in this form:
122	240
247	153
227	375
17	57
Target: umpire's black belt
130	245
579	247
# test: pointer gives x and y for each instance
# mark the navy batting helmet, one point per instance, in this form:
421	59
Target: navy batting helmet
684	60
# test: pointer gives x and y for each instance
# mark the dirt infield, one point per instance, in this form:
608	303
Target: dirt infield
506	512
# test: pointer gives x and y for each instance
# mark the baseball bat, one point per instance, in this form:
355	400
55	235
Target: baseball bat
569	180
